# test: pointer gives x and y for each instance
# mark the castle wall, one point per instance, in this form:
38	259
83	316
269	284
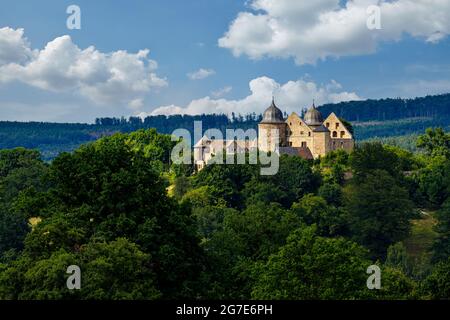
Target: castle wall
268	140
300	134
296	133
346	144
321	144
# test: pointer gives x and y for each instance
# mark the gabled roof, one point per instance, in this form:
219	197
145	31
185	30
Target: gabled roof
303	152
333	117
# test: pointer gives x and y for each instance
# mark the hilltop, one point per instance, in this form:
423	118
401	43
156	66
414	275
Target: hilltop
395	121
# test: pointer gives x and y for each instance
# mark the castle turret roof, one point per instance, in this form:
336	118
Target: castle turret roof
313	117
273	114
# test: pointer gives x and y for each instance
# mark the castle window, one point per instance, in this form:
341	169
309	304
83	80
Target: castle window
309	134
328	124
335	134
342	134
337	125
302	133
290	144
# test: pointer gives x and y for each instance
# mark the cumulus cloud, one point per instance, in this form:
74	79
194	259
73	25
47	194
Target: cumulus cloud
290	96
221	92
312	30
116	77
201	74
14	48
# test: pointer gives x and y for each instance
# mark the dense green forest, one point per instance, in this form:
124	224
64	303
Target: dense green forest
140	228
401	121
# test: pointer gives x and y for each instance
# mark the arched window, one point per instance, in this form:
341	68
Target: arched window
334	134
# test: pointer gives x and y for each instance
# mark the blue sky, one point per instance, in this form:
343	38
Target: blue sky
311	59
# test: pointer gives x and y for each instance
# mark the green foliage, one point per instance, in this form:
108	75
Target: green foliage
407	160
226	181
369	157
210	219
117	270
110	189
257	230
435	142
114	270
437	284
21	171
244	238
203	196
397	257
226	232
256	191
13	229
332	193
441	247
294	179
379	211
309	267
395	285
315	210
433	182
182	185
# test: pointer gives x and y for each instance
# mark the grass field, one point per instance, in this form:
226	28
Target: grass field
422	237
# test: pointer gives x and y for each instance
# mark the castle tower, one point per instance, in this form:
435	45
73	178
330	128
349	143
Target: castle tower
321	134
321	141
272	129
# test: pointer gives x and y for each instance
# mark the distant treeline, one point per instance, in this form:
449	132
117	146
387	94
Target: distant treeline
372	119
391	109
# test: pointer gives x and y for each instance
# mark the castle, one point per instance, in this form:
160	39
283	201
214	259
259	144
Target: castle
310	138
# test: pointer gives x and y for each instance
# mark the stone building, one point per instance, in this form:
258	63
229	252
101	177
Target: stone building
205	149
310	137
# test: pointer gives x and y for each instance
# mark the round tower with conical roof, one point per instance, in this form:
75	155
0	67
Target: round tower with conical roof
272	129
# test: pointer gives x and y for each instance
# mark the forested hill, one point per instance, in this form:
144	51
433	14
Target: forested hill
391	109
53	138
377	119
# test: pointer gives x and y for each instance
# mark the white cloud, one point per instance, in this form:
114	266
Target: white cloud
14	48
136	104
313	30
221	92
291	96
105	78
201	74
417	88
